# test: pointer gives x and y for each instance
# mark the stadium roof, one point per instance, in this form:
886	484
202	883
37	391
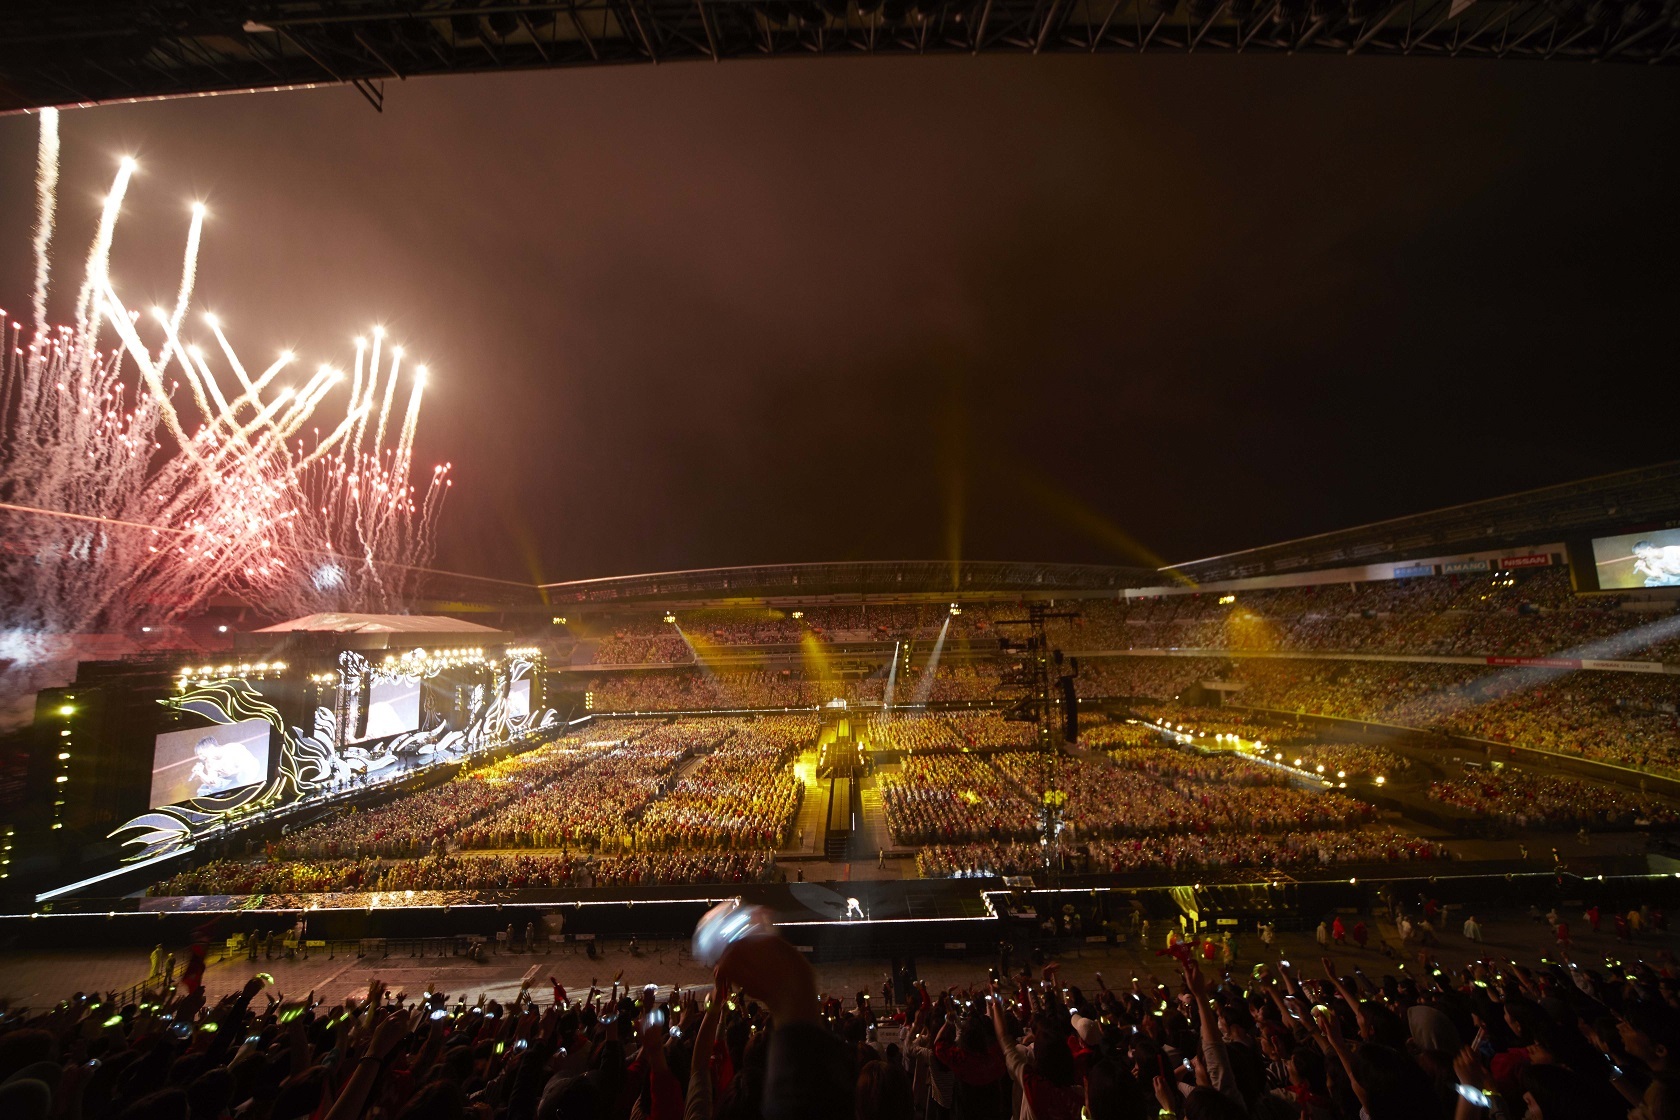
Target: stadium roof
1625	501
377	624
54	52
874	578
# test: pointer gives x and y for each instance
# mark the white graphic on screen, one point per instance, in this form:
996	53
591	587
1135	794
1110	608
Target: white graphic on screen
519	699
1638	559
393	707
207	761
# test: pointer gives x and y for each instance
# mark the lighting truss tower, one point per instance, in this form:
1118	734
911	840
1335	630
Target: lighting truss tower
1042	666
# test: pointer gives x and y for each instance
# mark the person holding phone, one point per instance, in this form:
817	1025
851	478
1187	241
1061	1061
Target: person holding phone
1048	1079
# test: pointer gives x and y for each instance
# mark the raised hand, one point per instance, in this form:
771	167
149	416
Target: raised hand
1193	978
1469	1069
1166	1092
770	969
392	1029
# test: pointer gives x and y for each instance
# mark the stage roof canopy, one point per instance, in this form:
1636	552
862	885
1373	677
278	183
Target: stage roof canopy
377	624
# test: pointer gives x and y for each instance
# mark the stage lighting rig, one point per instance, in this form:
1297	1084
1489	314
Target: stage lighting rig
1040	703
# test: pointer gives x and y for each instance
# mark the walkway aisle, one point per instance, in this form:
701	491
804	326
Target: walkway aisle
813	809
872	836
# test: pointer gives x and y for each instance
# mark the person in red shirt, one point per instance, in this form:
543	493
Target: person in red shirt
1049	1081
981	1085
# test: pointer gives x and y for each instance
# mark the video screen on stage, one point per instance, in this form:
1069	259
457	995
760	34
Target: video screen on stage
519	699
1638	560
393	707
206	761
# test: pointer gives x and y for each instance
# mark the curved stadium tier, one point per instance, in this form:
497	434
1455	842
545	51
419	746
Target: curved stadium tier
1407	694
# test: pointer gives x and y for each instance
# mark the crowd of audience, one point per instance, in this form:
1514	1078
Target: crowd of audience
911	732
1530	800
594	806
1170	765
696	691
955	730
1514	614
1379	691
1253	733
742	795
1525	614
1184	852
488	871
1558	1040
938	798
662	646
969	681
612	788
1153	678
1220	723
944	798
1628	719
1339	760
1113	734
416	824
989	729
1164	791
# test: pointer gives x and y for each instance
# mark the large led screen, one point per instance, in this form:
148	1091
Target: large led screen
393	707
519	699
1638	559
209	760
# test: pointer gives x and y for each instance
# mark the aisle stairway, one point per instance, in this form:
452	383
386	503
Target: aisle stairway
872	836
813	808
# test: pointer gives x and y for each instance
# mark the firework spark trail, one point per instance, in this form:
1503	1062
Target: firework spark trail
126	497
411	420
99	255
46	208
368	390
355	390
390	395
189	268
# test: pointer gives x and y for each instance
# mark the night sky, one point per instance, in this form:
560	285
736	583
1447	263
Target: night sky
1063	308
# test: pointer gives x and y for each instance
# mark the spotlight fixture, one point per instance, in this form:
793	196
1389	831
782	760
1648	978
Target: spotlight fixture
670	618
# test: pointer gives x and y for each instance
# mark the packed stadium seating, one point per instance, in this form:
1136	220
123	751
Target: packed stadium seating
942	798
1627	719
608	801
1180	852
681	799
1530	800
1526	614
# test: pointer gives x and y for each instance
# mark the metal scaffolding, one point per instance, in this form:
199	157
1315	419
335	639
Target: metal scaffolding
58	53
